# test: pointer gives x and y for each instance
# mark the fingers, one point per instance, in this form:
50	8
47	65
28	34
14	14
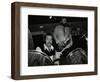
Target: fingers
56	62
58	54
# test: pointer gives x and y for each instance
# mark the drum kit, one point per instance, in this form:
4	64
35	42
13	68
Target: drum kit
36	58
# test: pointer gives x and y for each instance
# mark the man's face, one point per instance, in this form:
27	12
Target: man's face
60	35
64	21
67	32
48	40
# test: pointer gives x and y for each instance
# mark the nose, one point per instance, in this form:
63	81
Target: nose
50	41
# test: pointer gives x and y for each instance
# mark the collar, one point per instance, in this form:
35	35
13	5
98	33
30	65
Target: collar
46	48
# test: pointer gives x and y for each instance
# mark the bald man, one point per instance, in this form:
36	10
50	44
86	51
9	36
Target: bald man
68	48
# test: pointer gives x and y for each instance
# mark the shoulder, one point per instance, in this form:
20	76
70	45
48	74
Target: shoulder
38	49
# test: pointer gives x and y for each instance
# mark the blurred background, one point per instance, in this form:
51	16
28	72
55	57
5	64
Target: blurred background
40	25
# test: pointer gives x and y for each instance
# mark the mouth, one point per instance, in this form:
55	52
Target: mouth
49	43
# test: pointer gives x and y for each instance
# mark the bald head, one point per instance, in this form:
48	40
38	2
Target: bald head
61	32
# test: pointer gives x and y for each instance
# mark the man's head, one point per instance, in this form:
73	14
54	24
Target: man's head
67	31
48	40
63	21
61	32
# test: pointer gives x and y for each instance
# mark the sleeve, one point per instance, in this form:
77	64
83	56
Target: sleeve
38	49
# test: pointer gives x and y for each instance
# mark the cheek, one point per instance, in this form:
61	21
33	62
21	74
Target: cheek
51	41
47	41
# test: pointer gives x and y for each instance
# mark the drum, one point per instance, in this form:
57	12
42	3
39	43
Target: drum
36	58
77	56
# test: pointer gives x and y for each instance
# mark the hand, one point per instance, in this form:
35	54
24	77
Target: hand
61	43
58	54
56	62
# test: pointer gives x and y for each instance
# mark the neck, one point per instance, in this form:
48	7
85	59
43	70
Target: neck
48	46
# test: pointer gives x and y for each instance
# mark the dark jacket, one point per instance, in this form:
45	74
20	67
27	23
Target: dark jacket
49	53
77	43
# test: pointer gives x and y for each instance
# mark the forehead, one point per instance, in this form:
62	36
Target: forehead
48	36
67	28
63	18
59	28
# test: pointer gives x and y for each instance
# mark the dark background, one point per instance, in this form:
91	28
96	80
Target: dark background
40	25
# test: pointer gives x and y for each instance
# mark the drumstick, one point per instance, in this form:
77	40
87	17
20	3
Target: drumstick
66	47
63	49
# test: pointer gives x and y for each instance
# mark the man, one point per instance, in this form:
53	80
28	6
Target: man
69	49
47	47
36	58
30	41
64	22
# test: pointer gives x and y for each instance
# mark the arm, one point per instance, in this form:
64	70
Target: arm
38	49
